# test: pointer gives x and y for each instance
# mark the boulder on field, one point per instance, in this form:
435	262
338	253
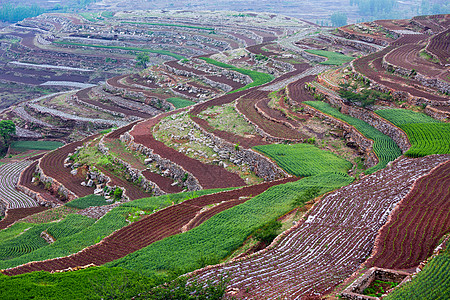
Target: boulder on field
74	172
90	183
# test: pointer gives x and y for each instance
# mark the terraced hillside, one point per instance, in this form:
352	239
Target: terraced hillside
184	161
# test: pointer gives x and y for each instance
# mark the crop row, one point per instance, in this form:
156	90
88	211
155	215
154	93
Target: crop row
112	221
439	46
9	176
418	223
304	159
426	135
335	239
220	235
384	147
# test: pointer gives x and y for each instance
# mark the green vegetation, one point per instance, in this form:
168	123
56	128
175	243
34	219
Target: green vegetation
106	283
364	96
142	59
30	240
426	135
216	238
268	232
112	221
7	129
334	58
304	159
180	102
36	145
162	52
88	201
257	77
433	282
376	288
384	147
171	25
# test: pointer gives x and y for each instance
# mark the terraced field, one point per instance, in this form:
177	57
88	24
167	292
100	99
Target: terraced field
9	176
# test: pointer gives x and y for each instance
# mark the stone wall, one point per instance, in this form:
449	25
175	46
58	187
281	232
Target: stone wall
259	164
437	114
56	187
350	134
135	174
360	37
175	171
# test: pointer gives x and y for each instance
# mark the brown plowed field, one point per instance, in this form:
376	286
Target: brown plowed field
139	234
408	57
83	95
209	176
25	180
257	49
440	46
417	224
53	166
13	215
297	92
164	183
115	134
397	83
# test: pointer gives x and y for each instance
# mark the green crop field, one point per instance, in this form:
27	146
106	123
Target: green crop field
220	235
257	77
433	282
171	25
334	58
25	242
112	221
384	147
88	201
426	135
162	52
180	102
304	159
36	145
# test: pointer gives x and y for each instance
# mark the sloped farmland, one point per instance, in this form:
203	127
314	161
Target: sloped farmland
329	246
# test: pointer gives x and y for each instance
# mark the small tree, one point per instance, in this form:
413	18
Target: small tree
142	59
118	193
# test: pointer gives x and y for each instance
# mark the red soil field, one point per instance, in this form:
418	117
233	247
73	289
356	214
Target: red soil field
209	176
149	229
417	224
440	46
53	166
13	215
164	183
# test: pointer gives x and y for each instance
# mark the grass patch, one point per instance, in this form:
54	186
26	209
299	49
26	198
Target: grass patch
162	52
36	145
180	102
304	159
334	58
257	77
88	201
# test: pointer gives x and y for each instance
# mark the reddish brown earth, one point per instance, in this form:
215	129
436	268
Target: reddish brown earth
115	83
246	106
25	180
417	224
139	234
440	46
53	166
13	215
297	92
209	176
164	183
257	49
